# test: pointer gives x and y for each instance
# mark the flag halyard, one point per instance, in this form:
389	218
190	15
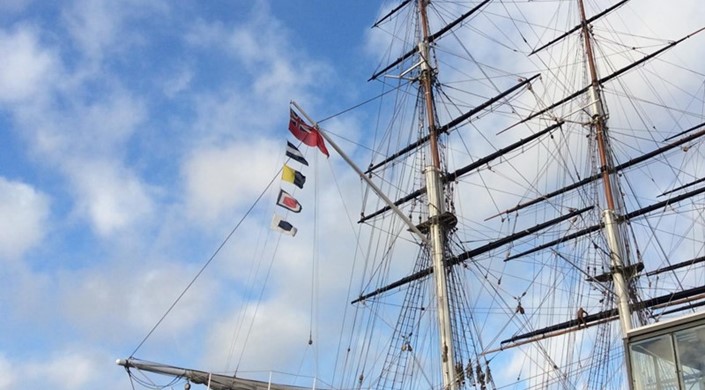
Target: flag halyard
283	226
307	134
293	176
293	153
288	202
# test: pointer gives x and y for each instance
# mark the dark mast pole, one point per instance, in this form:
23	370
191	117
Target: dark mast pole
436	208
609	215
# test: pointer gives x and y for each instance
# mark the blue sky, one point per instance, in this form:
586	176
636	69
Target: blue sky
134	135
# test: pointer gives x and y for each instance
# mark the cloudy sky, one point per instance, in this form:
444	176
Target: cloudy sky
134	135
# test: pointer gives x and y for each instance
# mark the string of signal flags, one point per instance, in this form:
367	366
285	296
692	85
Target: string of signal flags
309	136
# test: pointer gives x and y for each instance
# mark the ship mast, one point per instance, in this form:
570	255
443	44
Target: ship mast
609	215
436	209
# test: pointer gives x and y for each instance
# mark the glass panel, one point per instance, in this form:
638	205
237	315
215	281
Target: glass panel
690	346
653	364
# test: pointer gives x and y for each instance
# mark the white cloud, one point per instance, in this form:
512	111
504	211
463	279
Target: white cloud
275	71
81	127
70	370
25	213
87	132
273	337
178	82
92	129
32	304
112	301
75	367
98	27
222	115
70	130
112	197
92	25
26	67
86	142
219	179
279	72
8	380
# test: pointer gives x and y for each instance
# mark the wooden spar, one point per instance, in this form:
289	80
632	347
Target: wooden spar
616	169
671	299
604	79
431	38
214	381
626	217
450	125
481	162
468	168
578	27
474	252
598	114
692	183
435	207
676	266
498	243
364	177
545	336
390	13
684	132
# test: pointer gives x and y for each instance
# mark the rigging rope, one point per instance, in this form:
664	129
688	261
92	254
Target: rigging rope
358	105
203	268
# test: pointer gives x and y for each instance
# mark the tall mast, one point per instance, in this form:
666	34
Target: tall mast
435	209
609	215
